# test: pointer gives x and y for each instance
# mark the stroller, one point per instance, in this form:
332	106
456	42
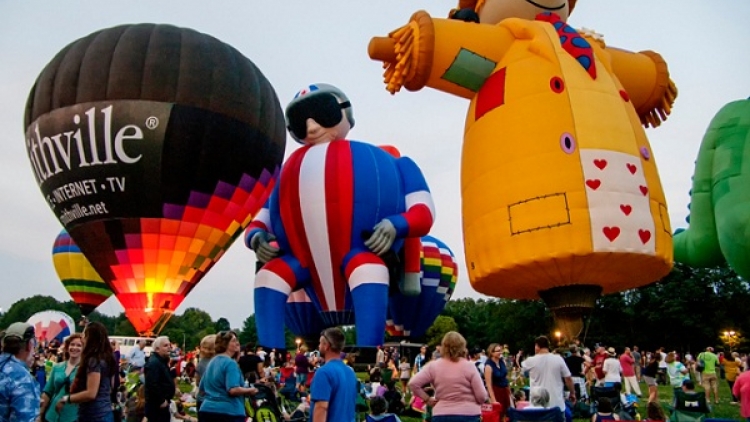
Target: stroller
626	409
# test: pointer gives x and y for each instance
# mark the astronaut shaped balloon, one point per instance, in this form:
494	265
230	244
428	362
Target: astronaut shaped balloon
339	209
561	199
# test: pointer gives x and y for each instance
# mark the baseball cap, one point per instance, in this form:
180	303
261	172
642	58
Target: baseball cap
19	330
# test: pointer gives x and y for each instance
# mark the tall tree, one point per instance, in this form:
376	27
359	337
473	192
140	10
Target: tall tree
249	334
439	328
222	324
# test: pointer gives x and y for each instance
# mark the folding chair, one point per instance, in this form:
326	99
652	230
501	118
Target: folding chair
689	407
552	414
389	418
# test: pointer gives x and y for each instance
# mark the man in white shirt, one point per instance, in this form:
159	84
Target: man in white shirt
612	369
549	371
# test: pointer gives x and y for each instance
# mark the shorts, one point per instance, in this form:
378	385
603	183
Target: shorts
709	380
301	379
650	381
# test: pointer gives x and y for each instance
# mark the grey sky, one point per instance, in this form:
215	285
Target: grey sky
296	43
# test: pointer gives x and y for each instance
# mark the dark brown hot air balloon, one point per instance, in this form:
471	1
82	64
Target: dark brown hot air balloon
154	146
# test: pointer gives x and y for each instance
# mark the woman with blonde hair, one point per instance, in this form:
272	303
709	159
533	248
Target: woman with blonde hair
459	391
206	353
60	380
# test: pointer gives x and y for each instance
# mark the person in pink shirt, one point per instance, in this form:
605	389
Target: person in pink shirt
459	391
741	390
628	372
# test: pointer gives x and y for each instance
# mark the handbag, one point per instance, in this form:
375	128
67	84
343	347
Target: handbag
701	365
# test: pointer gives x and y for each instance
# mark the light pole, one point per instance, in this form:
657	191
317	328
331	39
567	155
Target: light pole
731	338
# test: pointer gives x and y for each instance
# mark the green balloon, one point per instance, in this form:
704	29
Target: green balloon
720	202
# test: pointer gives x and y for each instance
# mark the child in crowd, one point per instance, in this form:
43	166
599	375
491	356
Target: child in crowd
604	411
378	406
538	398
655	413
135	409
519	397
418	405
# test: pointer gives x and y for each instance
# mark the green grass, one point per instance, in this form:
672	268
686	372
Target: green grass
723	410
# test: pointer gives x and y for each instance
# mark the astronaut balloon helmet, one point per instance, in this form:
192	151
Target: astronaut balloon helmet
323	103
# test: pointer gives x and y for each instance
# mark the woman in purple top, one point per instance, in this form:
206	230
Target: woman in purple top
301	368
93	382
459	391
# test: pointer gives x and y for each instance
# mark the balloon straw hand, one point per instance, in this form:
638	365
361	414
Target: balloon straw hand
382	238
264	246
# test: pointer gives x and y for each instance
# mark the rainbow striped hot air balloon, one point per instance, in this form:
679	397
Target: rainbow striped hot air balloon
410	316
80	279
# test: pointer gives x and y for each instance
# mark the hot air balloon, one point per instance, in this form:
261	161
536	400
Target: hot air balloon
571	206
49	325
339	206
80	279
411	316
718	220
154	146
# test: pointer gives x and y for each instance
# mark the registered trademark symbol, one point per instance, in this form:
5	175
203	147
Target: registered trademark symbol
152	122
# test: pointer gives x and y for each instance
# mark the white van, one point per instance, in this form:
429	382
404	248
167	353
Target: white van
127	344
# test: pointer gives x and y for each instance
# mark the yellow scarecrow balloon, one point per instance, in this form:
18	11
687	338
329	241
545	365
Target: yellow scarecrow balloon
561	196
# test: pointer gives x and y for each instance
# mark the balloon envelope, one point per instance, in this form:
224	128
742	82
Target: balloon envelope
301	316
411	316
154	146
50	325
80	279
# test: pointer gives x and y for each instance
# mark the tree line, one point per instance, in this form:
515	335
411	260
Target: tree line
686	311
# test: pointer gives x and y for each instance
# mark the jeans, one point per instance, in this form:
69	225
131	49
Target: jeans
455	418
107	418
219	417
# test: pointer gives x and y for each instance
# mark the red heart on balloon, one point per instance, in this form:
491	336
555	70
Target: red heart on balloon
594	183
645	235
611	233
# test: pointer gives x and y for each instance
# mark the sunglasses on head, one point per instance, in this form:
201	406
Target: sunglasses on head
324	108
328	340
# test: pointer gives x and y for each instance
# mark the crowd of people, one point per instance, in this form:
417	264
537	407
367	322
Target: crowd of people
85	378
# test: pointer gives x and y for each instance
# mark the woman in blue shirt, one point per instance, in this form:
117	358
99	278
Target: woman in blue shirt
496	377
222	385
